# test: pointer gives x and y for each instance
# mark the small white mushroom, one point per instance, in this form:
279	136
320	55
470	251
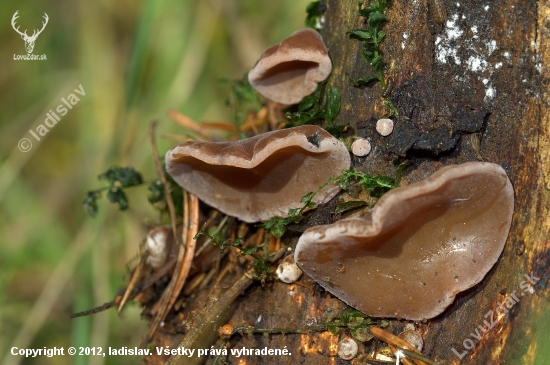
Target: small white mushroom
412	337
360	147
288	272
157	245
384	127
347	349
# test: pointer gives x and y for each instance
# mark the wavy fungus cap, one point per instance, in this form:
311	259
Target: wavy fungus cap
289	71
418	247
261	177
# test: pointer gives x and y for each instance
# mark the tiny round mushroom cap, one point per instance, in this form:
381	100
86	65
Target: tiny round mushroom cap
413	338
360	147
287	271
347	348
418	247
157	245
226	330
289	71
384	127
261	177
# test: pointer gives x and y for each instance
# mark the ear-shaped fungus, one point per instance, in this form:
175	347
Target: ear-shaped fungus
263	176
418	247
289	71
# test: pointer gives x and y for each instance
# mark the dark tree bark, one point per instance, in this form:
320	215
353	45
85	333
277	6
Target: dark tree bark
484	71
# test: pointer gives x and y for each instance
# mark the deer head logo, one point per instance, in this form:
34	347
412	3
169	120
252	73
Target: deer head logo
29	41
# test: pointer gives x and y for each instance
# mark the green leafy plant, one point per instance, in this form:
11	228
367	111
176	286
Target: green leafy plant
260	263
242	98
351	318
314	12
121	178
118	179
376	186
370	39
350	205
311	109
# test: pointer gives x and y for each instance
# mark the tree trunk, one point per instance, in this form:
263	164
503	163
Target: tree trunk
484	70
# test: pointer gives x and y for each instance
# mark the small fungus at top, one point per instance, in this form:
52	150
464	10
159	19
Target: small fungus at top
289	71
261	177
384	127
418	247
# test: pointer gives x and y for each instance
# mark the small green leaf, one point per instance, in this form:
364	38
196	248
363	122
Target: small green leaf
332	329
278	230
314	13
249	251
361	334
364	81
393	108
156	192
117	196
337	129
361	34
344	207
332	105
375	19
127	176
90	203
376	62
307	198
348	314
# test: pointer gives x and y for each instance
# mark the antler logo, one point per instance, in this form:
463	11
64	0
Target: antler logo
29	41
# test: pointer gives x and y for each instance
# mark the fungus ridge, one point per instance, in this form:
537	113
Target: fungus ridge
418	247
262	177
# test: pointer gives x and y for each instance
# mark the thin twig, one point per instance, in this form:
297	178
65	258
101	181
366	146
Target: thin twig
164	302
133	294
395	341
190	244
162	177
95	310
305	286
131	285
190	124
228	127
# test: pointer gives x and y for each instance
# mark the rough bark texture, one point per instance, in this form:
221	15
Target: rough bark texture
485	70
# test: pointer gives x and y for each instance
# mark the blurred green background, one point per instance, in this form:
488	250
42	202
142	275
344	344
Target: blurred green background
134	60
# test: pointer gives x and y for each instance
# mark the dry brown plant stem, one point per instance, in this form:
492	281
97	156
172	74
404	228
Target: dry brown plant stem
162	177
